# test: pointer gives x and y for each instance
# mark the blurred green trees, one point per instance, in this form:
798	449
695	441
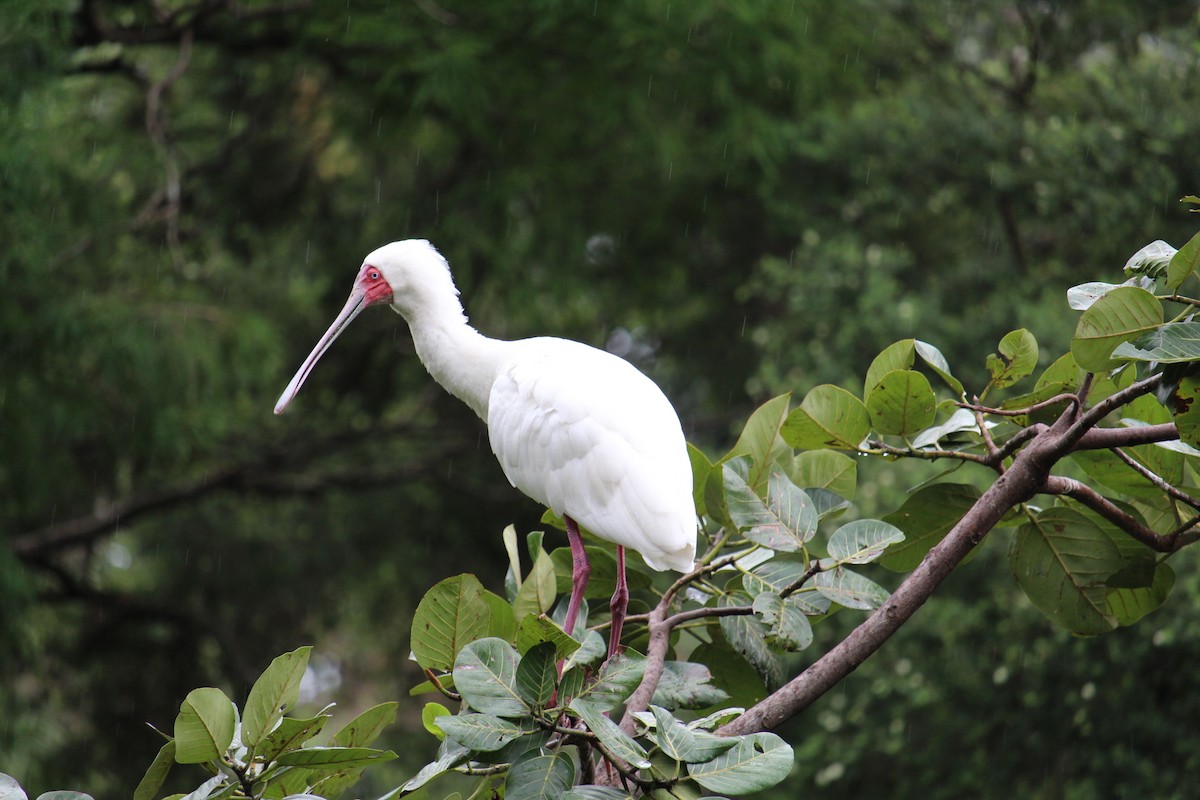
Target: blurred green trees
743	198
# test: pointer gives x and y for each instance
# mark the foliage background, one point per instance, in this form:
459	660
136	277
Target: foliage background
743	198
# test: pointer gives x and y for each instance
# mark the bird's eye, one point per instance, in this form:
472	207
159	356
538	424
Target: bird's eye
373	275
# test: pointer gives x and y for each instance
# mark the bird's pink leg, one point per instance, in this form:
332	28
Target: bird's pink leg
620	602
580	570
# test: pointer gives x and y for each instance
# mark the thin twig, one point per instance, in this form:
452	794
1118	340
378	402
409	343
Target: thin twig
1156	479
1019	412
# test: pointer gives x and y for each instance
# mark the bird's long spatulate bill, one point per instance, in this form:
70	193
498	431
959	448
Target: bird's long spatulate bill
356	303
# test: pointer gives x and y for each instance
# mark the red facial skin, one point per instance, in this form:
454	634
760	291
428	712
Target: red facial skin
373	285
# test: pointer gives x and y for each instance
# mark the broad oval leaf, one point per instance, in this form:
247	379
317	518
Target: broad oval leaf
862	541
896	356
1183	262
686	745
1128	605
536	630
540	778
538	591
275	691
850	589
925	518
479	732
826	469
829	417
485	674
760	439
1119	316
748	636
289	734
787	626
757	762
537	674
901	403
10	788
429	716
784	521
1151	259
1173	343
451	614
1061	560
204	727
618	678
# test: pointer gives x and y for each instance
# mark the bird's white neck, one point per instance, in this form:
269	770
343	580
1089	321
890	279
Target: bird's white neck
460	358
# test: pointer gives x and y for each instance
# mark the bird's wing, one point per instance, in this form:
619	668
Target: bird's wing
586	434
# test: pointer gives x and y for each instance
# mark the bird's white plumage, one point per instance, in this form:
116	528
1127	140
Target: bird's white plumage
583	432
575	428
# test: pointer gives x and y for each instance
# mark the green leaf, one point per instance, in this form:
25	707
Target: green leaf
701	469
686	745
1018	358
1061	561
64	794
757	762
896	356
1183	263
862	541
429	715
485	674
540	778
1173	343
514	554
451	614
537	675
501	622
925	518
479	732
826	469
537	593
615	740
937	362
535	630
760	439
1119	316
787	626
850	589
829	417
785	521
1152	260
334	758
366	727
618	677
204	727
275	691
591	651
148	786
1186	404
290	734
901	403
684	684
777	575
747	635
1128	605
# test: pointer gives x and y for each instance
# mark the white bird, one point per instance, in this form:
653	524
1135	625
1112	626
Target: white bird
577	429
